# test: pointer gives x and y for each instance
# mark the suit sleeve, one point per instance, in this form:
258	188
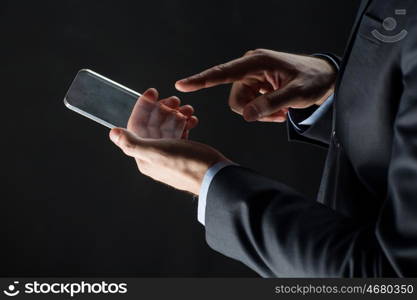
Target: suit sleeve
279	233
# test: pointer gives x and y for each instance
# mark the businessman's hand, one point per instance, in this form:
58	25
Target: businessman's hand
165	118
177	162
156	137
266	83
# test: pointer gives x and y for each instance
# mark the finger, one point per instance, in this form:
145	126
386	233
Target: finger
151	94
186	110
173	126
185	135
240	95
172	102
220	74
192	122
270	103
130	144
278	117
157	117
141	112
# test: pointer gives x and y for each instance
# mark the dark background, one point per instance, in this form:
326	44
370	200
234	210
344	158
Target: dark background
71	204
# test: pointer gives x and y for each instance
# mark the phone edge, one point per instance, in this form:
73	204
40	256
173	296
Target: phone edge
111	81
88	115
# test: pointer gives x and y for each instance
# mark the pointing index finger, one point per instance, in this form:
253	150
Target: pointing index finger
221	74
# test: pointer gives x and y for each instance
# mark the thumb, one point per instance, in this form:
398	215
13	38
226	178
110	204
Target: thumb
131	144
270	103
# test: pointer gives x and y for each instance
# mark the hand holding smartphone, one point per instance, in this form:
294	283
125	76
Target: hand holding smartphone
114	105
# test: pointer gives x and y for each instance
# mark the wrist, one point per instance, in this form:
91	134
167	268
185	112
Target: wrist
200	172
332	60
329	70
326	95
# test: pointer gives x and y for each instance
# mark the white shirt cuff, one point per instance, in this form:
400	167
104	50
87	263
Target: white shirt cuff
208	177
321	110
318	112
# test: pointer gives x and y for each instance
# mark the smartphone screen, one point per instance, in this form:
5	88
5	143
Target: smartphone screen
100	99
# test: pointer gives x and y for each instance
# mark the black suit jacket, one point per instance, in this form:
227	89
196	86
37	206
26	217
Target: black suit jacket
364	222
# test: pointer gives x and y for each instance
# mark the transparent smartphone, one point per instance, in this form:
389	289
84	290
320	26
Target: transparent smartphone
100	99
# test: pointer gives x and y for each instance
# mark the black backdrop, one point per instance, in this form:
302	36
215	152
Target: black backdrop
71	204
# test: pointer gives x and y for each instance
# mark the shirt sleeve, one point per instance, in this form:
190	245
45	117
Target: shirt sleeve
208	177
314	116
